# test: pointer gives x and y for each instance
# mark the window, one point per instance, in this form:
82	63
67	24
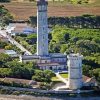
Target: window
43	37
43	45
45	61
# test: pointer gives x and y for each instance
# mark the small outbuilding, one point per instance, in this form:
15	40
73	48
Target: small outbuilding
11	53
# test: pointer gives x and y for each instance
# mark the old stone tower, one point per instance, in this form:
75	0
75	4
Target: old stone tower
75	71
42	28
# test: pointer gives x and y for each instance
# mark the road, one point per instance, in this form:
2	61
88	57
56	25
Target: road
11	40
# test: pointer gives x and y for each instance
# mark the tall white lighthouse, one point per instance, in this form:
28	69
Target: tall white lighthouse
75	71
42	28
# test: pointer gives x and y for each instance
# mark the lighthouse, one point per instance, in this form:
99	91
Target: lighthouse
42	28
44	59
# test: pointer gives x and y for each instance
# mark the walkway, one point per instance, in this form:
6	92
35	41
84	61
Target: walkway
63	80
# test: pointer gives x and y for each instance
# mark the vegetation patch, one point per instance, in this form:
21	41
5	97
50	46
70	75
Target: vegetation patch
5	16
55	79
28	41
84	21
64	75
5	0
79	1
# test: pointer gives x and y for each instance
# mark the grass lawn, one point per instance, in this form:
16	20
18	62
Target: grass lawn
64	75
55	79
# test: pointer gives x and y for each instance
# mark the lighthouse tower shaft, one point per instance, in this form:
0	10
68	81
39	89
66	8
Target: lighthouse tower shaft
42	28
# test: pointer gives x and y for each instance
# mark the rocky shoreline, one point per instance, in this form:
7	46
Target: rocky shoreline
44	92
25	97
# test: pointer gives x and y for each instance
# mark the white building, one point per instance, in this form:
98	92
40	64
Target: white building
55	61
19	28
11	53
75	71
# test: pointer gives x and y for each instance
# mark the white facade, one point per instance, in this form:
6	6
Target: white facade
9	29
75	71
51	62
42	28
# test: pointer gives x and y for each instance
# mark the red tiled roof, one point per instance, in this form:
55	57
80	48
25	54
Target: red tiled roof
23	81
88	79
20	81
2	50
85	78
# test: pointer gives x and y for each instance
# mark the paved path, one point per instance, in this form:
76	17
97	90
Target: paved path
11	40
63	80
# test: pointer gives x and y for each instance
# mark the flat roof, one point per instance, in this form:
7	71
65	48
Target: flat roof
48	64
28	57
10	52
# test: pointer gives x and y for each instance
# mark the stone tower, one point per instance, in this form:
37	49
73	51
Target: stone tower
42	28
75	71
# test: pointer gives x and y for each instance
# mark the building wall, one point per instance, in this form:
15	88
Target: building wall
49	61
52	67
75	83
61	59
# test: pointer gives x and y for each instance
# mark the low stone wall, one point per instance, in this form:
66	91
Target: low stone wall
45	91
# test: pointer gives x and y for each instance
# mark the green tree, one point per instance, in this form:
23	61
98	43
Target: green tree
86	69
48	75
2	44
9	47
4	0
96	73
43	76
4	58
19	70
5	15
5	72
64	47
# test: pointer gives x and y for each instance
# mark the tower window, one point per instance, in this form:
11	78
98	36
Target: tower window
43	37
43	45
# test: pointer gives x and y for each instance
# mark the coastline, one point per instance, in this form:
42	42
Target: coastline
27	97
44	92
